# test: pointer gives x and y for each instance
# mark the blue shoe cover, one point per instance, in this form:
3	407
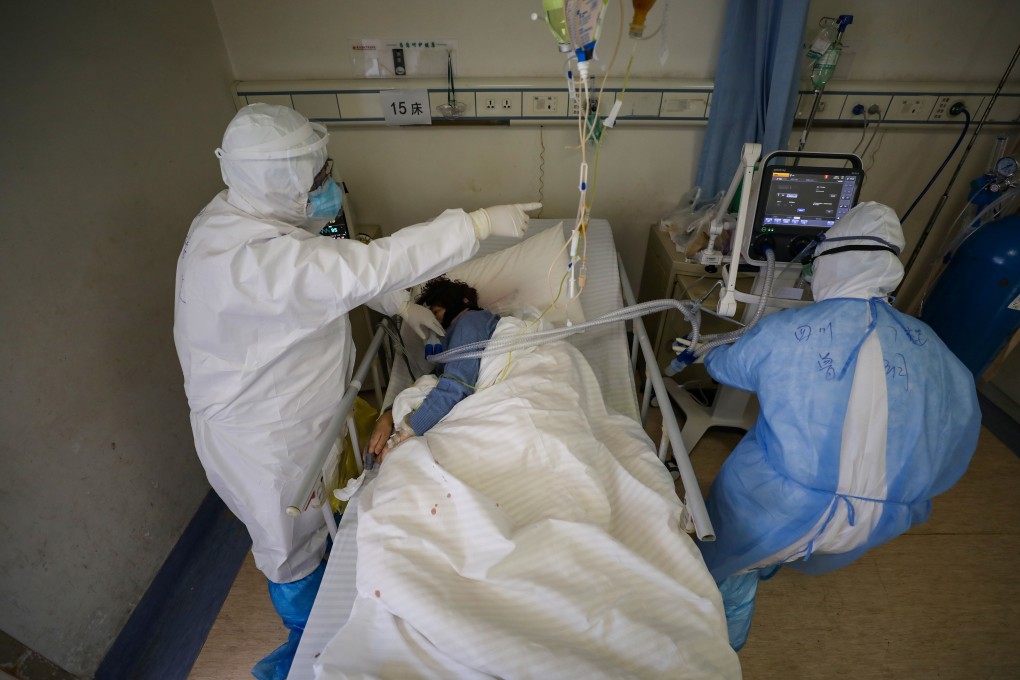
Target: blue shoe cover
277	665
293	602
738	599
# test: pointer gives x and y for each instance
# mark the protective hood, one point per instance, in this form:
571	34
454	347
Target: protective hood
269	159
860	273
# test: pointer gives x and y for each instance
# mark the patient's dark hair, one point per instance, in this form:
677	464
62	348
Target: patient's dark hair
448	294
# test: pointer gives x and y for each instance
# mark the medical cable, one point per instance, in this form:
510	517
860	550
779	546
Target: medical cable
864	133
959	166
963	133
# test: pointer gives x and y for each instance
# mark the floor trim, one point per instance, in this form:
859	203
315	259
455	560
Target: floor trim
166	631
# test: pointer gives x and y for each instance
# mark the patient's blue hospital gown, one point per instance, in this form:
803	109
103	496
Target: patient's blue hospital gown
781	482
458	377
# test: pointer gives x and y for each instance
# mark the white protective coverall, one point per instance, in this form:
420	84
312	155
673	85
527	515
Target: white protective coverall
261	323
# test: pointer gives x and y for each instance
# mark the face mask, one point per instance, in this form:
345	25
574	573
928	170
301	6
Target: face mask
325	202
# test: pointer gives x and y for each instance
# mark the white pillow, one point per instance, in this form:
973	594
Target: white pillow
514	280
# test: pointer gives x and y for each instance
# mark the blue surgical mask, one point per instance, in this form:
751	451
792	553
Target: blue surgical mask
325	202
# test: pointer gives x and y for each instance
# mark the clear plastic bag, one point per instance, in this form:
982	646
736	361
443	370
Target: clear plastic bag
688	224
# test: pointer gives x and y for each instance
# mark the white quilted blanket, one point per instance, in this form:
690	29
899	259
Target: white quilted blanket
530	534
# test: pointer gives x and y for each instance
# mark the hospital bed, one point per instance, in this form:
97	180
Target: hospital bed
613	363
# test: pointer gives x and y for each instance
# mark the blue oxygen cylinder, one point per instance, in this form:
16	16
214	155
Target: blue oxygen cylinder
975	305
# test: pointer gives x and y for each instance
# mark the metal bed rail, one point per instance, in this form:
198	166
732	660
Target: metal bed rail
697	513
312	485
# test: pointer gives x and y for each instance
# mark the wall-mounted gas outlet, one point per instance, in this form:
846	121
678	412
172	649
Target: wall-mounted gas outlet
498	104
857	105
910	107
944	107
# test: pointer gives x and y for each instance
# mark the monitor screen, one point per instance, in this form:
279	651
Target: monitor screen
795	204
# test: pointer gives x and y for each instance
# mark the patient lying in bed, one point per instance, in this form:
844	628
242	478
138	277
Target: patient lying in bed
455	305
531	532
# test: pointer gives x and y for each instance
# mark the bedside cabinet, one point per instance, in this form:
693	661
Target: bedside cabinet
666	274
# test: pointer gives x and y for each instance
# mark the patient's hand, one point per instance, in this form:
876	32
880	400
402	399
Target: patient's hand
398	438
383	430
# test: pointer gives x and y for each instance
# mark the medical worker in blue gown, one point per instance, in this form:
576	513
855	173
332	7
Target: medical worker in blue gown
261	328
865	417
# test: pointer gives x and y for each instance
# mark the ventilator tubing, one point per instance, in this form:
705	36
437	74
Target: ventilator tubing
689	308
475	350
759	311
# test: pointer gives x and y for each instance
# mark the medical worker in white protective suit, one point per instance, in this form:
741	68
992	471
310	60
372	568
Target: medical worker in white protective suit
262	332
865	416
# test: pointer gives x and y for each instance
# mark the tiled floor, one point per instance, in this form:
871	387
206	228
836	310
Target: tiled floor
942	601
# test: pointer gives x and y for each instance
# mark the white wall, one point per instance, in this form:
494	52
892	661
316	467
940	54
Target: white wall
402	176
111	111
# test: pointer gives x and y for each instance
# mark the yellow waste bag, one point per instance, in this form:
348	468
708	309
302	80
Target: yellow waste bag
364	422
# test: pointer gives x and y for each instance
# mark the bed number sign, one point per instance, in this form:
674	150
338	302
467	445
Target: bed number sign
406	107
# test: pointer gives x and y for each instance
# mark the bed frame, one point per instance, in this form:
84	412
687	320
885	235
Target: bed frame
312	492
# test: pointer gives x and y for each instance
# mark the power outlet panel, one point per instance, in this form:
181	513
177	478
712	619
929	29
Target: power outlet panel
874	104
911	107
946	102
498	104
542	101
683	105
638	104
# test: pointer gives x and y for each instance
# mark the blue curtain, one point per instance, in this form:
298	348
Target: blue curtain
756	83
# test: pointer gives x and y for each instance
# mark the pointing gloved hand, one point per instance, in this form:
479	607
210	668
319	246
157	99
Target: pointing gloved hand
502	220
421	320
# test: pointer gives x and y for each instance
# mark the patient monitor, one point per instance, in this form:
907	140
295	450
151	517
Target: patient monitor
795	205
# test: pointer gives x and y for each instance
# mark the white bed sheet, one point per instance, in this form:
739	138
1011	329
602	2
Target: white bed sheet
606	350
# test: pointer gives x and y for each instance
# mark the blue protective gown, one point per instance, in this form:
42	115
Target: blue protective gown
781	480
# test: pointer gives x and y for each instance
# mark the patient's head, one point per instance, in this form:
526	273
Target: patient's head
447	299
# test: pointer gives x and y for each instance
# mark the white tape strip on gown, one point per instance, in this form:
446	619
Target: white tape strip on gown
862	466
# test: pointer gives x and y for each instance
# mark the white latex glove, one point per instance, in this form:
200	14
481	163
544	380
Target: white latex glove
421	320
502	220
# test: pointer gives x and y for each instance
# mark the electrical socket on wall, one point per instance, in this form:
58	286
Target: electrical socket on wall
910	107
498	104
